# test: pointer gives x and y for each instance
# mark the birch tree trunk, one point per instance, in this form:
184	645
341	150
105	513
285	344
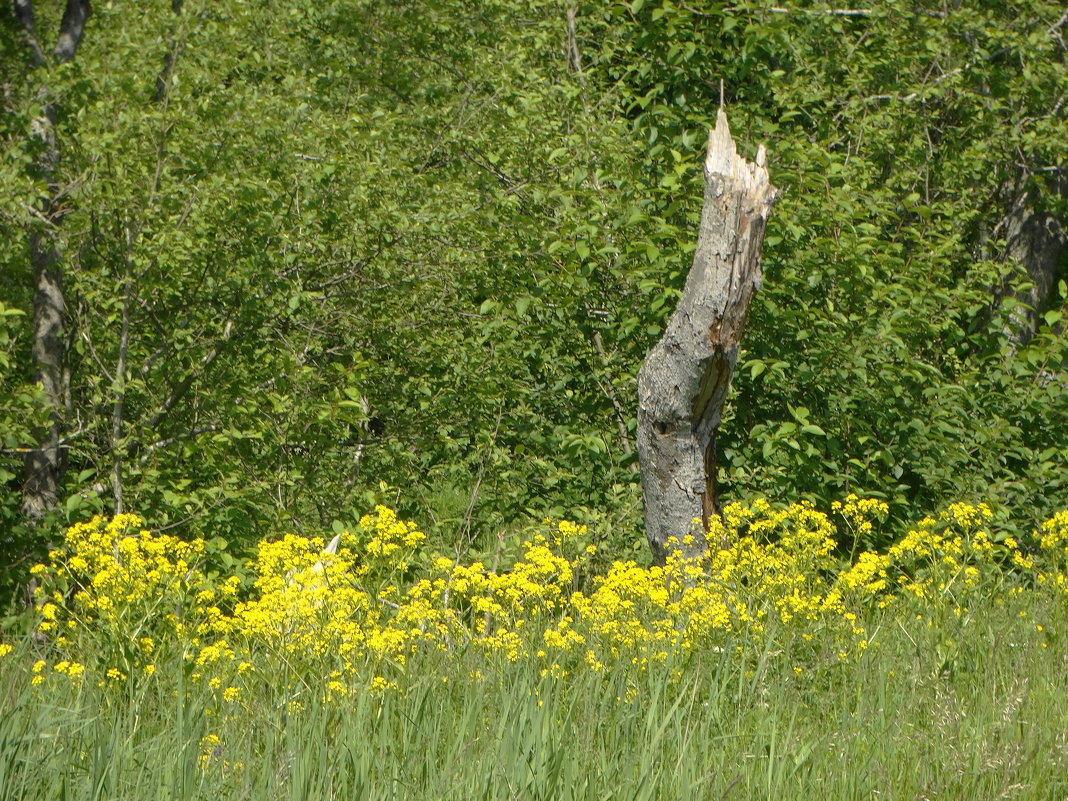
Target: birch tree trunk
44	465
682	385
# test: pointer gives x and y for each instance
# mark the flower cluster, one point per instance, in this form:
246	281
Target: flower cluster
860	515
112	582
332	620
1053	545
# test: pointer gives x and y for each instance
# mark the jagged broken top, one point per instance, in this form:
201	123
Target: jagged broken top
723	160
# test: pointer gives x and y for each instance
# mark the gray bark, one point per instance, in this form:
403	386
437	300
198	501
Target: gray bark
682	385
44	466
1037	241
71	27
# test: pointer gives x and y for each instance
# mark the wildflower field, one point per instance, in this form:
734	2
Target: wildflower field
788	663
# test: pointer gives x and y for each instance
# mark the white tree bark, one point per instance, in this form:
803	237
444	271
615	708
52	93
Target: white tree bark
683	382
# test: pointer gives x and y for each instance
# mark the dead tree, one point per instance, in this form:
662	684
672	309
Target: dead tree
683	382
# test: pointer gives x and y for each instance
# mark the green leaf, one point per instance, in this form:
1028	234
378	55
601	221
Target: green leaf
72	505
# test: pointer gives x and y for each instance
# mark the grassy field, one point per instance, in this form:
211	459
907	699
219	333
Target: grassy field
938	681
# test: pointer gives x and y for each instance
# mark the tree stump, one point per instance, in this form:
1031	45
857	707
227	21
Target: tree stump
682	385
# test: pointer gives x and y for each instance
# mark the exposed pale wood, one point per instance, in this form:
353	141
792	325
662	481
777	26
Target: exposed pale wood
683	382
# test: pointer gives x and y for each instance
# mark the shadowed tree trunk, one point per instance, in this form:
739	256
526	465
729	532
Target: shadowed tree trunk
683	382
1037	240
45	464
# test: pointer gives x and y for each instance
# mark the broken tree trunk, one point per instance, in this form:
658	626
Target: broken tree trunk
683	383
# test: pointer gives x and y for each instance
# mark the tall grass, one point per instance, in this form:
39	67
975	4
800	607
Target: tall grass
968	705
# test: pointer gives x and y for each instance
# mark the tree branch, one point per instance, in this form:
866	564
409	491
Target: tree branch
834	12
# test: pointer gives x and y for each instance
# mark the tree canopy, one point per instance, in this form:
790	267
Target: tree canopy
319	255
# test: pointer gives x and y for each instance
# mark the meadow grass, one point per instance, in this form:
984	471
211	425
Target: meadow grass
970	707
774	668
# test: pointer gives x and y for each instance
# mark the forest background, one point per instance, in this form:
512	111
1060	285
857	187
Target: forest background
317	256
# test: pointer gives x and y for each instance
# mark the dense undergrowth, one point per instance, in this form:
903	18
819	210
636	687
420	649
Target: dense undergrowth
787	658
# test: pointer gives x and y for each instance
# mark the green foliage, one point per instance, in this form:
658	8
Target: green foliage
308	236
22	410
403	252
